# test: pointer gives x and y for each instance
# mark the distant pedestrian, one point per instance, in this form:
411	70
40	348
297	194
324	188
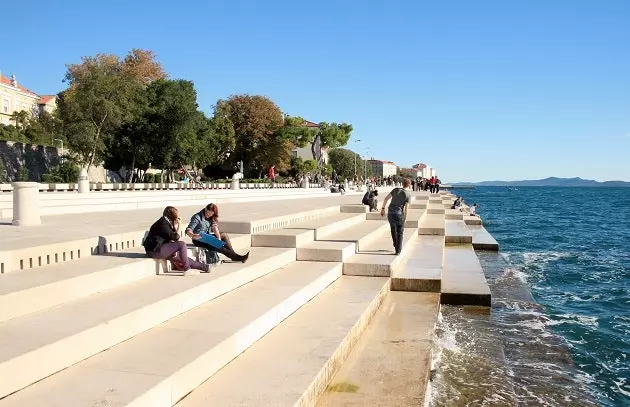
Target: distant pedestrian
473	210
370	200
437	184
335	177
397	212
272	175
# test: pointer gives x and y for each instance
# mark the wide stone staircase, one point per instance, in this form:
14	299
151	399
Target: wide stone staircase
323	312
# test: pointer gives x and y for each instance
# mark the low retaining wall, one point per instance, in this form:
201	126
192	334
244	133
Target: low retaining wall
101	186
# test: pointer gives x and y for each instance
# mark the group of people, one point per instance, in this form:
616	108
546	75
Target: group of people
458	204
426	184
163	239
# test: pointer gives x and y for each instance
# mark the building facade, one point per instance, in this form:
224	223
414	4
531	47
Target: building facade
306	153
383	169
15	98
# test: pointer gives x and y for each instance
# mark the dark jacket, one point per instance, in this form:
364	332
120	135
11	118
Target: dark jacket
160	232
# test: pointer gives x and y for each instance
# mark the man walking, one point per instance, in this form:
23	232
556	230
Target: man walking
397	212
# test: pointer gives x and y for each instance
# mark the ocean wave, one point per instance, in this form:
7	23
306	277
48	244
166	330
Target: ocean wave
584	320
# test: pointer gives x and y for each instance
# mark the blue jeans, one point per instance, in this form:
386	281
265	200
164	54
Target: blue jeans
396	224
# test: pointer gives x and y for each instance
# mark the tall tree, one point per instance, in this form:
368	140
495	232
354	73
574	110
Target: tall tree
256	121
104	94
347	163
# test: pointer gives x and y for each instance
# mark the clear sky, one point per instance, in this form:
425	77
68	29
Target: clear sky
480	90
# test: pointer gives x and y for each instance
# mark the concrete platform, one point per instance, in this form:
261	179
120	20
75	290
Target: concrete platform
293	364
453	214
472	220
377	259
42	343
456	232
331	224
421	271
391	363
35	290
354	208
413	218
323	250
283	238
432	224
175	357
482	240
418	205
463	280
361	233
436	209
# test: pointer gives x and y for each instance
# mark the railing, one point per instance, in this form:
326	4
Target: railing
102	186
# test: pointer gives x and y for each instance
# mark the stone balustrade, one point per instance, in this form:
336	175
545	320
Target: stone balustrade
102	186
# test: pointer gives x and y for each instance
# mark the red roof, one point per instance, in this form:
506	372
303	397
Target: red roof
7	81
382	161
310	124
46	98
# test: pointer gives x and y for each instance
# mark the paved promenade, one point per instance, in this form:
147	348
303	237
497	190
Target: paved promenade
61	228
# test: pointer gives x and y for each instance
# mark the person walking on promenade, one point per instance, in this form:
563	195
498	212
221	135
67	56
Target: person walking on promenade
272	175
162	242
397	212
437	184
207	221
432	185
335	177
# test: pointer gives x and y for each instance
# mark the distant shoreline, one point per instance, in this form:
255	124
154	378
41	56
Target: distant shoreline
547	182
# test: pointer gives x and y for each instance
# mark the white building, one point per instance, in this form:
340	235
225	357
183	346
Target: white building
383	168
306	153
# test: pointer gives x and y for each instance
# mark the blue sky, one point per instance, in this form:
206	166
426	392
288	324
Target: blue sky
480	90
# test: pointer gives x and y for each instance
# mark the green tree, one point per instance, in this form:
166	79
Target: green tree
343	161
20	119
44	128
256	121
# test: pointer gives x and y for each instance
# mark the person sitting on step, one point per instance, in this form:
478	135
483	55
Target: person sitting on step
162	242
207	221
370	199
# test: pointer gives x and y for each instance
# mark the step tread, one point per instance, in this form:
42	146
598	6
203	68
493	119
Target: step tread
170	351
463	275
91	324
382	245
279	368
357	231
325	221
424	259
23	280
380	370
457	229
482	238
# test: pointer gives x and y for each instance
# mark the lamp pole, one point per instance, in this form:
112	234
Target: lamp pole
367	150
355	161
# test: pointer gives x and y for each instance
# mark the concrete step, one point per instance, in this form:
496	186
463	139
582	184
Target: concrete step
391	363
482	240
361	233
456	232
432	224
413	218
330	224
160	366
26	292
377	259
436	208
354	208
61	252
39	344
283	238
463	280
453	214
322	250
293	364
418	205
421	271
472	220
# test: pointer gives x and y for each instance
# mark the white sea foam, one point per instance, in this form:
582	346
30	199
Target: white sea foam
584	320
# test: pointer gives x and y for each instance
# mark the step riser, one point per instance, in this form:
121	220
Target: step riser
203	367
331	367
472	220
354	208
289	240
38	298
29	368
430	231
416	285
452	240
435	211
453	216
288	220
332	255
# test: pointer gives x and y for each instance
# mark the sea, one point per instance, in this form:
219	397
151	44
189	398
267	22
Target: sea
558	331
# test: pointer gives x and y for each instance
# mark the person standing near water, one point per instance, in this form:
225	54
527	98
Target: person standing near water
397	212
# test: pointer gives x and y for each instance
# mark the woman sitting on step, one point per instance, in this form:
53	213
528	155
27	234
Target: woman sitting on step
162	242
207	221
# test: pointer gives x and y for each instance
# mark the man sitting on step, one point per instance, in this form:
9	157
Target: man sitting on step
370	199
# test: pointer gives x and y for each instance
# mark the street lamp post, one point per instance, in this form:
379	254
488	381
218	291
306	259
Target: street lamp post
367	150
355	161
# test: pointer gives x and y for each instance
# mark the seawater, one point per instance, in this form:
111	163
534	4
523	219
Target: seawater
558	331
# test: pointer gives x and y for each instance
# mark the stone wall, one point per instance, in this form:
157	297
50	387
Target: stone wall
36	159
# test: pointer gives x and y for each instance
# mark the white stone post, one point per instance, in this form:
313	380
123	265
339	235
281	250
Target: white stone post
235	180
346	185
84	182
26	204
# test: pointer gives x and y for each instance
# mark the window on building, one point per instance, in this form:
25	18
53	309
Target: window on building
5	106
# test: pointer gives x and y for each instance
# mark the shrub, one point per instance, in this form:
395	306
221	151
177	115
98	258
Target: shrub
63	173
